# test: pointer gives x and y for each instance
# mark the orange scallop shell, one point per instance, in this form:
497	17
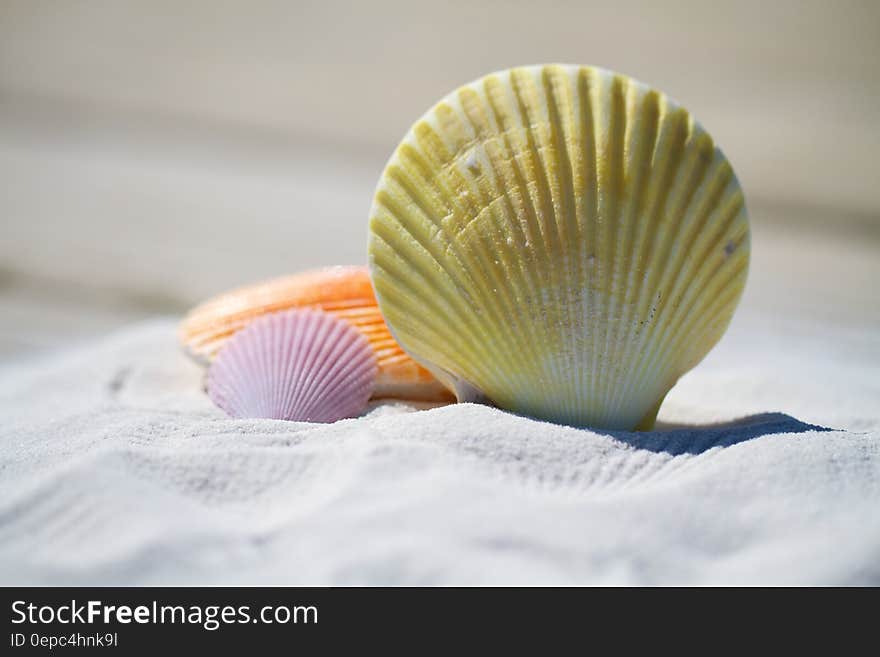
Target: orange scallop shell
345	292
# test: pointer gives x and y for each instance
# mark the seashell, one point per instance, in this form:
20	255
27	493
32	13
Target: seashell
345	292
301	365
563	242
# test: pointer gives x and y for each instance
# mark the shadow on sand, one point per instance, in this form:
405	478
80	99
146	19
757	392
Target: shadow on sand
678	439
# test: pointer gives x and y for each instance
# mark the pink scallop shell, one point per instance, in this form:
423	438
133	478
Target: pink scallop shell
301	365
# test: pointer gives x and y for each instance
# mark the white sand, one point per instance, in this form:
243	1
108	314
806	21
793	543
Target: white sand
116	469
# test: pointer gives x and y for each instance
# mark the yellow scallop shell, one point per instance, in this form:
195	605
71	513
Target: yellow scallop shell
561	241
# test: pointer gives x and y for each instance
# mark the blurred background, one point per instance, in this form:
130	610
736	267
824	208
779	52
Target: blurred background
154	153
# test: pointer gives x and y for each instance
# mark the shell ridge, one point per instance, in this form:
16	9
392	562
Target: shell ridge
503	266
286	371
417	301
302	349
466	281
633	176
313	340
727	301
687	180
672	154
667	156
287	337
575	174
680	325
490	290
707	284
562	104
276	340
615	112
597	101
408	305
681	241
260	394
590	159
555	86
230	390
304	366
721	301
507	109
525	94
233	390
703	238
360	369
447	381
348	354
336	350
514	177
469	260
510	116
643	144
496	95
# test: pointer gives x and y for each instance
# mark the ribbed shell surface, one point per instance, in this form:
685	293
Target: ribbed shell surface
301	365
563	241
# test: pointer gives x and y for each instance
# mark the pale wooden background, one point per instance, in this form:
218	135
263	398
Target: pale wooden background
152	153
